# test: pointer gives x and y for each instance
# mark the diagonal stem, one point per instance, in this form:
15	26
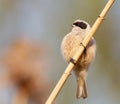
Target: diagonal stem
68	70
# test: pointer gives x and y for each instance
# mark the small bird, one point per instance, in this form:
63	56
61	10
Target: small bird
69	47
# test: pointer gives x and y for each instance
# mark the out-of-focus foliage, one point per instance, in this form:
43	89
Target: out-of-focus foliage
46	22
24	69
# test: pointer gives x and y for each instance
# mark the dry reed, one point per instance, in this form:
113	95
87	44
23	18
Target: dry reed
68	70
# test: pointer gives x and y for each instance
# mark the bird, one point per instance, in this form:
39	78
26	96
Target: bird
69	47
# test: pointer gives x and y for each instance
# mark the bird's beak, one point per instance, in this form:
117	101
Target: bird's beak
73	25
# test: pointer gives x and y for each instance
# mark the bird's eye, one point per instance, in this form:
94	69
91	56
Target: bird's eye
80	24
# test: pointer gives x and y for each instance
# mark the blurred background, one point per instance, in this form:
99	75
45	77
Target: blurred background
31	63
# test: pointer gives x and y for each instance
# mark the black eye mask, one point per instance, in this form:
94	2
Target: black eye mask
82	25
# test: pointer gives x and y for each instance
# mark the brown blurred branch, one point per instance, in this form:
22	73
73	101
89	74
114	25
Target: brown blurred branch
24	66
20	97
78	53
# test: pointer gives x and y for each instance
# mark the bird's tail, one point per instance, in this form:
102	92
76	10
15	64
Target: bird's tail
81	89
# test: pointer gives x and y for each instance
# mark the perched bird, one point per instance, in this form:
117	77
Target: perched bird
69	46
